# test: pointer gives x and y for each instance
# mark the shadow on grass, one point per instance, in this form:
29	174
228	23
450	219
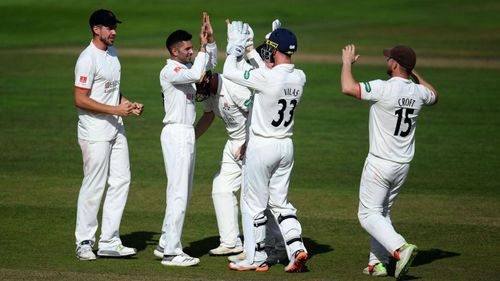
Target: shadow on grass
201	247
314	248
140	239
423	257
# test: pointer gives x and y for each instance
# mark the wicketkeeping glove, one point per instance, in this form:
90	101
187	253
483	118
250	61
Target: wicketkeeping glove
275	25
237	37
250	35
236	50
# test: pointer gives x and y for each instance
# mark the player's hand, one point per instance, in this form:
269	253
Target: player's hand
275	25
349	55
250	34
208	28
124	108
235	50
234	31
240	152
237	37
138	108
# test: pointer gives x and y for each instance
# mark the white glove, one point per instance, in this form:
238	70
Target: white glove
275	25
249	42
235	50
237	37
233	30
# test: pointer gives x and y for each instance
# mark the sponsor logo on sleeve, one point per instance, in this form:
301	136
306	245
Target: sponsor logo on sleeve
368	88
83	79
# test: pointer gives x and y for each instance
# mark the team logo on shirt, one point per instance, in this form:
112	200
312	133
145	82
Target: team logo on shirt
249	101
177	69
83	79
368	88
246	75
226	106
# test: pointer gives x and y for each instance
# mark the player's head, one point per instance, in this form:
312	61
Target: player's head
281	40
404	56
264	54
103	26
179	46
208	85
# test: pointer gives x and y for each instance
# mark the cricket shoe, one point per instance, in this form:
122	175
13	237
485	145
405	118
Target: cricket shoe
239	257
225	251
244	265
179	260
378	270
116	251
298	262
84	251
158	252
405	256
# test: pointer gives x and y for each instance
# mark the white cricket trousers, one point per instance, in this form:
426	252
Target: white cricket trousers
381	183
179	151
103	162
226	184
267	170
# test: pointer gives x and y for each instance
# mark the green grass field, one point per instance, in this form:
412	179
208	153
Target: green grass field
449	206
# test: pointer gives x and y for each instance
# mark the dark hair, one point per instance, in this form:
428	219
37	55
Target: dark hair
177	37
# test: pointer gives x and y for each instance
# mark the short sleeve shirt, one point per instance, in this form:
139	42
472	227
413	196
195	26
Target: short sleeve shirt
99	72
395	105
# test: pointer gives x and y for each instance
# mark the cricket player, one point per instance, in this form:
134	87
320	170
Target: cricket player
177	80
101	136
230	102
269	155
395	105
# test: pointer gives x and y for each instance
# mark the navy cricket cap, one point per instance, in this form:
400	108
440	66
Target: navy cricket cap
405	56
103	17
284	40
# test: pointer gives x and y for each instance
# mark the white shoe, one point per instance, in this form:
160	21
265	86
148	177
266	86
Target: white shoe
239	257
116	251
158	252
259	266
179	260
298	262
406	255
378	270
84	251
224	251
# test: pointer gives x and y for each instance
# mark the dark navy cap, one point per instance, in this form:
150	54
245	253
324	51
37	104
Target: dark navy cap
284	40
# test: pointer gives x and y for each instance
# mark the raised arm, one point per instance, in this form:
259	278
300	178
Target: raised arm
419	80
349	85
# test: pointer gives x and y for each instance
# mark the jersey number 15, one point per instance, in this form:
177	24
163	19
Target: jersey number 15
407	120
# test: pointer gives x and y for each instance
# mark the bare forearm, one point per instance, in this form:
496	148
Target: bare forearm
85	102
348	84
420	80
203	124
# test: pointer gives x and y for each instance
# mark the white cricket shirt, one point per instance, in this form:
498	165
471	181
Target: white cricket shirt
99	71
231	105
178	86
394	108
278	92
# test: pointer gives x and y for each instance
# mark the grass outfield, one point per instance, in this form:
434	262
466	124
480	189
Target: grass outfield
448	207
